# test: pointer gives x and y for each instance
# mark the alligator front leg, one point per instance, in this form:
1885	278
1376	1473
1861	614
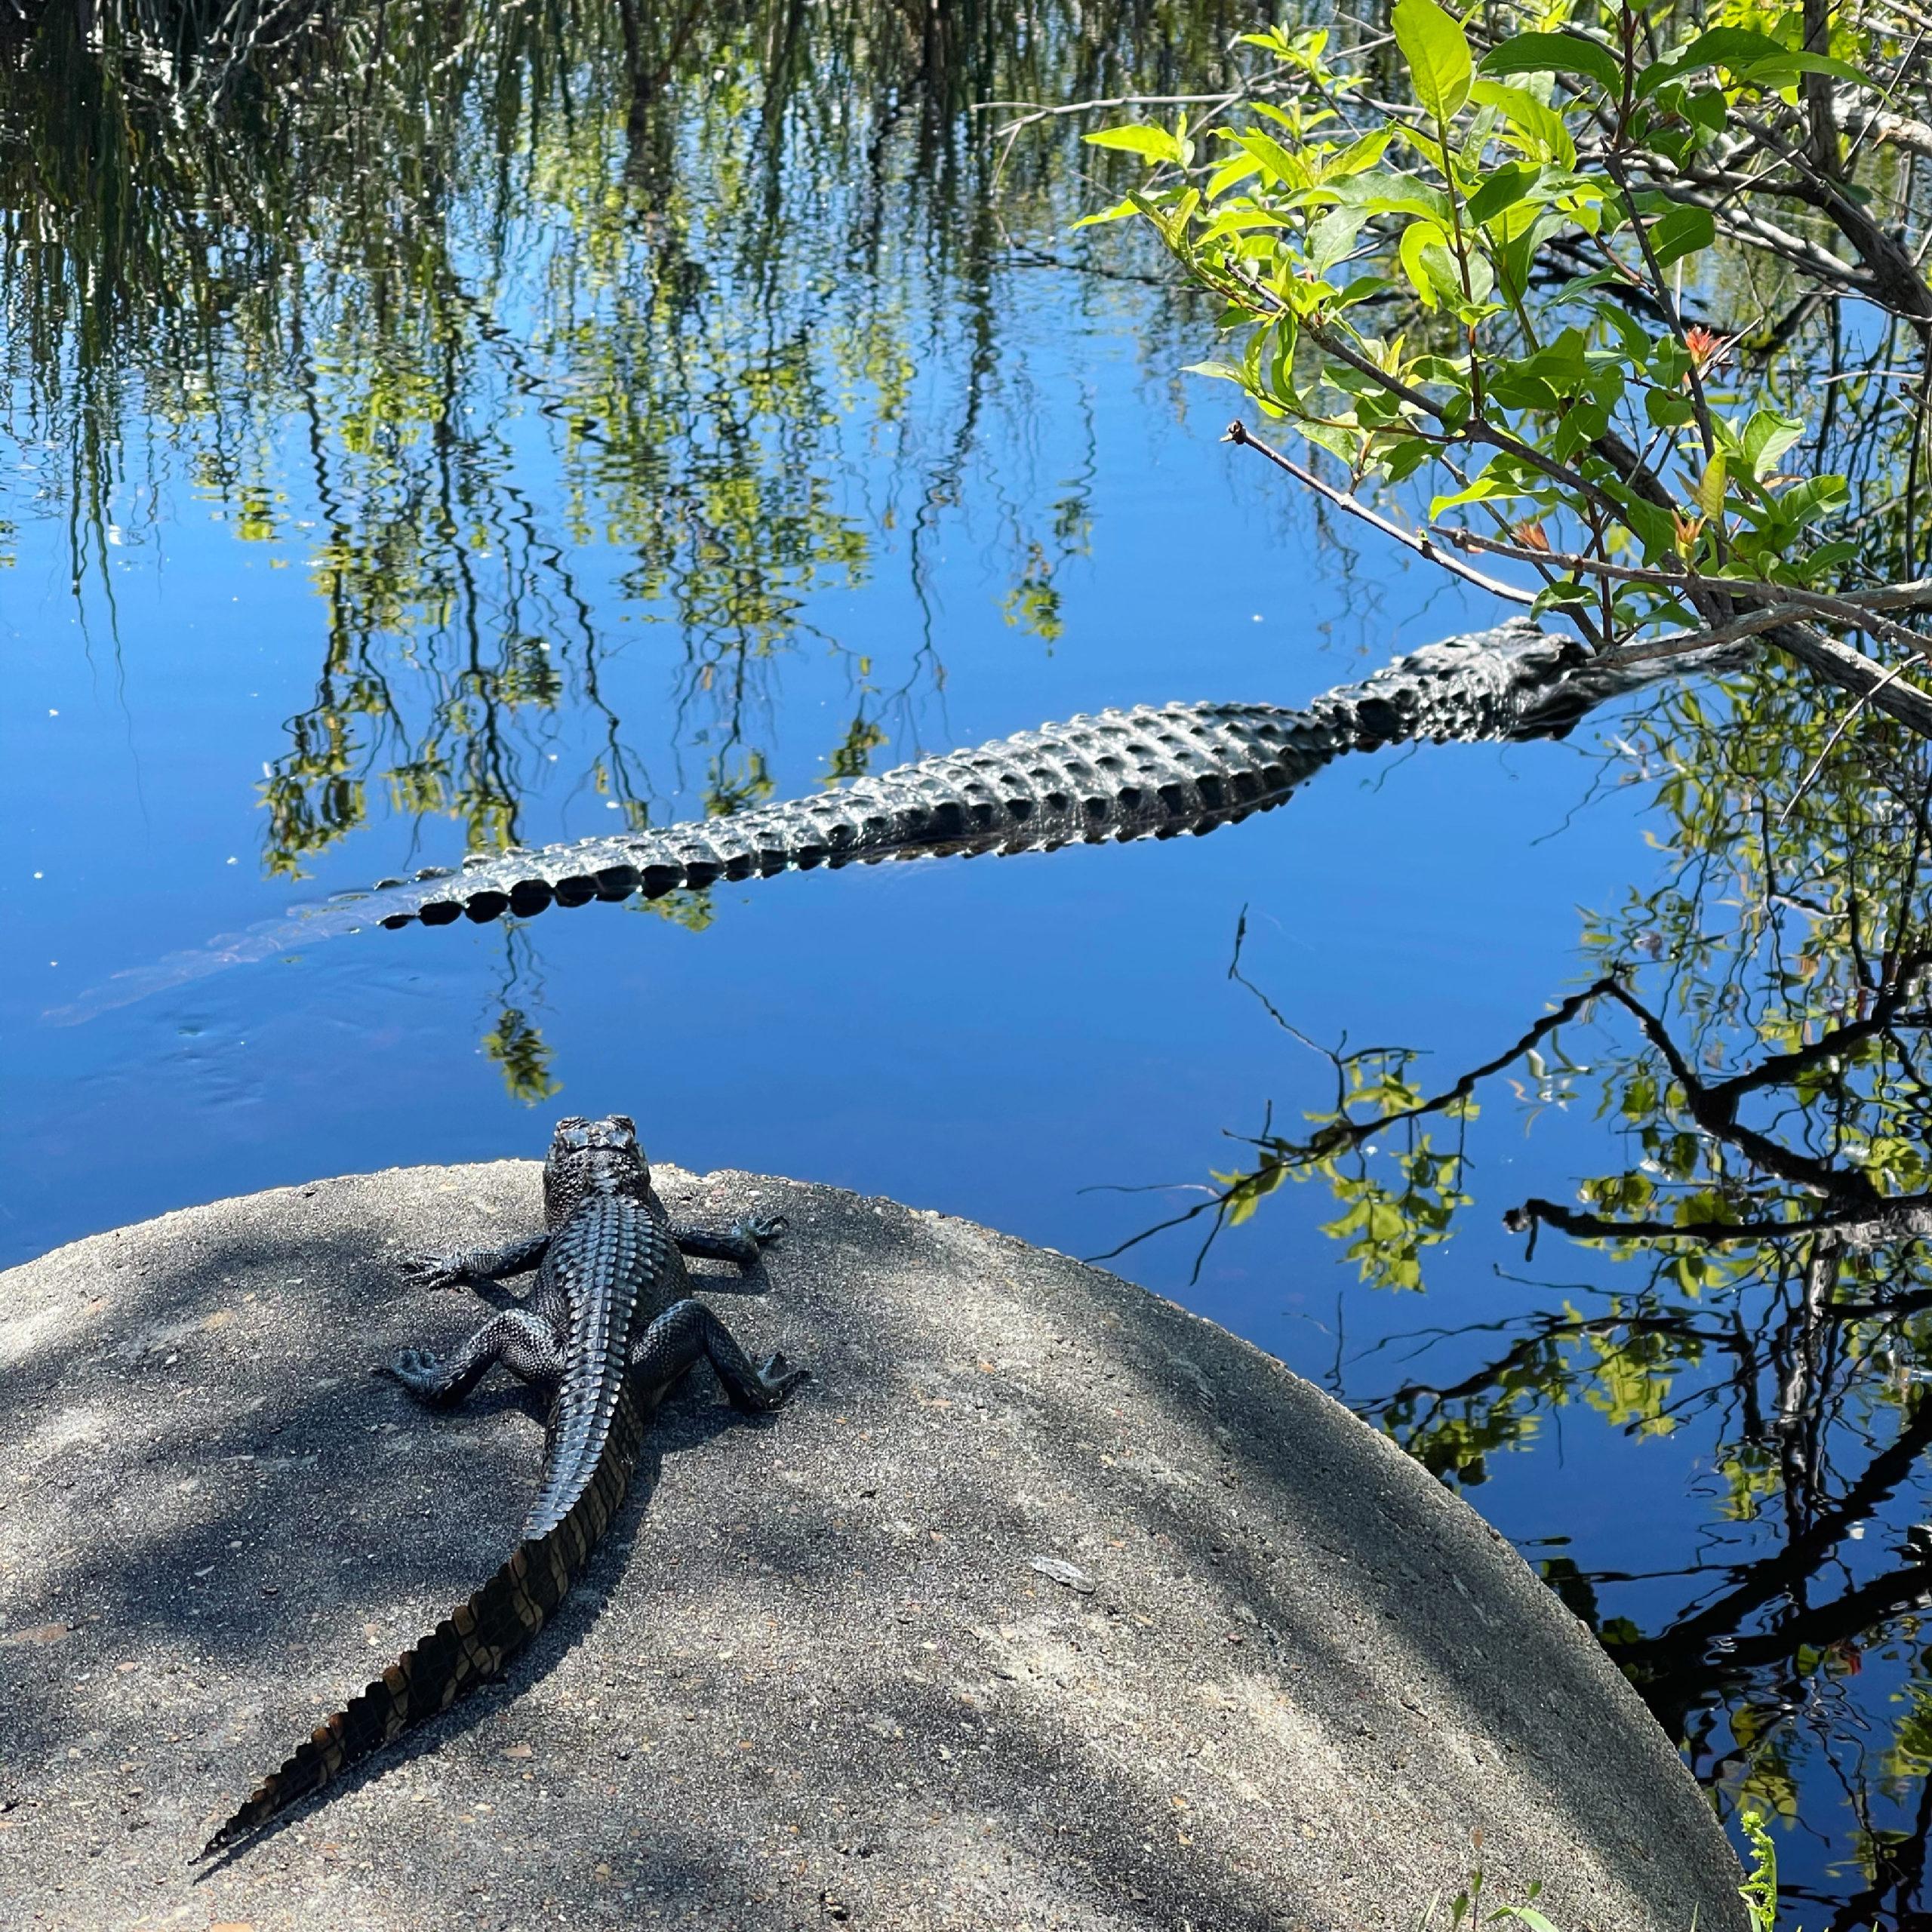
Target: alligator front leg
524	1345
446	1267
739	1242
687	1332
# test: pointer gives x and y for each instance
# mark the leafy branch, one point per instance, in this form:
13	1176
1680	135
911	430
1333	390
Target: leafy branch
1492	287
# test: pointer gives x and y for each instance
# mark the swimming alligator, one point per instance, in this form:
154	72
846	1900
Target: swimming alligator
609	1328
1152	772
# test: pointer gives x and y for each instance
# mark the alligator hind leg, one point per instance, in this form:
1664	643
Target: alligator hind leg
523	1344
688	1332
739	1242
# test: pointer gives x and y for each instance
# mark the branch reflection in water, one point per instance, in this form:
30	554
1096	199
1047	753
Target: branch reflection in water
422	237
429	305
1755	1030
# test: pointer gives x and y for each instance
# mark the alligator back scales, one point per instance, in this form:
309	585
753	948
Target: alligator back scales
1152	772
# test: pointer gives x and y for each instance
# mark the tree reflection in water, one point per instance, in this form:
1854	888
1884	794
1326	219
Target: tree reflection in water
695	255
453	308
1755	1030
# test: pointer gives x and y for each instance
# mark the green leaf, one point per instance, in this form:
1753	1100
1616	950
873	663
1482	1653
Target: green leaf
1653	527
1557	54
1428	264
1752	58
1437	50
1707	110
1153	145
1483	489
1332	237
1668	409
1539	128
1238	169
1633	338
1827	557
1767	436
1385	191
1710	486
1681	232
1780	72
1120	212
1290	170
1503	189
1358	155
1238	220
1813	497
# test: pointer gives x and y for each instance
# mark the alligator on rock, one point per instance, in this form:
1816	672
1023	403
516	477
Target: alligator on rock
609	1328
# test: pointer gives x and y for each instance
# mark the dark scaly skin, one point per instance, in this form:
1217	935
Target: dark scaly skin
610	1328
1153	772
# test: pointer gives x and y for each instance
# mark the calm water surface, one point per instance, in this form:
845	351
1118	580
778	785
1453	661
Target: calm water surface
557	437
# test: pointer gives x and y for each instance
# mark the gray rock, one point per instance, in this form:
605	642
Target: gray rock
1048	1605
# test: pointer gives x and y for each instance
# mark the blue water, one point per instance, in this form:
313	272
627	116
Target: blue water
989	1037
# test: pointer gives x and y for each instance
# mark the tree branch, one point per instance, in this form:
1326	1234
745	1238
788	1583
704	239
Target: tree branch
1237	433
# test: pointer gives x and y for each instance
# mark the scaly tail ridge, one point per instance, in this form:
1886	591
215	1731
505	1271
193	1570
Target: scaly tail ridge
470	1646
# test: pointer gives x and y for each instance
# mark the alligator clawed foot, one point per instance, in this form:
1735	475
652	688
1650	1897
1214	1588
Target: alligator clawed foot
781	1378
763	1229
432	1268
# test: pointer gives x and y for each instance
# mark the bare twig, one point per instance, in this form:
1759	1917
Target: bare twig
1699	402
1859	609
1683	643
1033	112
1238	434
1844	725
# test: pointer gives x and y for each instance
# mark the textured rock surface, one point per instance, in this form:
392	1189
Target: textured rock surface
1048	1605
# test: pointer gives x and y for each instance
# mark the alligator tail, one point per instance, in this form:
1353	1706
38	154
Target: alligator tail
472	1645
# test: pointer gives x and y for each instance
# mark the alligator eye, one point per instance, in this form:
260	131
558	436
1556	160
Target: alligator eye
625	1125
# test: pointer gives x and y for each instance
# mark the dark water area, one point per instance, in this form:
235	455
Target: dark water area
526	427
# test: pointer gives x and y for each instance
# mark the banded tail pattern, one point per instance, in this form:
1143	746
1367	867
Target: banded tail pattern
470	1646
